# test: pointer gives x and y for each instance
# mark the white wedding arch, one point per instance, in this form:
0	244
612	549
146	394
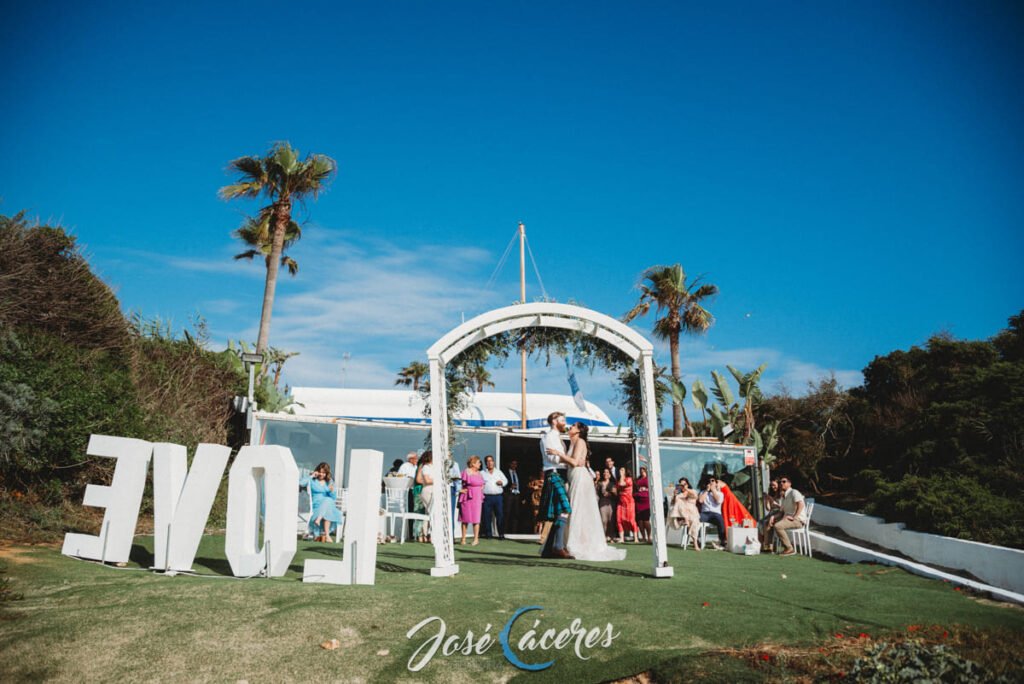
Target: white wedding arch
542	315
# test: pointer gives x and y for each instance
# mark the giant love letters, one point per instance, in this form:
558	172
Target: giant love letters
182	498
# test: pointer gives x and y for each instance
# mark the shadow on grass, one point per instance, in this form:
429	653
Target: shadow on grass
141	555
383	566
848	618
488	558
217	565
391	567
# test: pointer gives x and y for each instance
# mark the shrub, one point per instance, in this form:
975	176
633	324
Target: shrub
914	662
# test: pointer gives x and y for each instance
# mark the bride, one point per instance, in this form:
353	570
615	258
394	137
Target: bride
585	539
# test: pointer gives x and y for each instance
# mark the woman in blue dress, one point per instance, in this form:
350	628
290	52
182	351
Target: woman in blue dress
323	511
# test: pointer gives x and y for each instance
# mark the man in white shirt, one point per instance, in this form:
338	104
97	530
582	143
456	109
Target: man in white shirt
494	502
554	498
408	468
794	511
710	501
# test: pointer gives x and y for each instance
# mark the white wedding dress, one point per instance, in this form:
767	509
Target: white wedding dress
585	538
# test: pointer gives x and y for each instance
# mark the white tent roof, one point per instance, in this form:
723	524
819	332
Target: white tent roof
486	409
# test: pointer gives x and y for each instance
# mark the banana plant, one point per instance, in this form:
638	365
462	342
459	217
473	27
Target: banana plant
729	413
699	394
678	391
750	392
766	440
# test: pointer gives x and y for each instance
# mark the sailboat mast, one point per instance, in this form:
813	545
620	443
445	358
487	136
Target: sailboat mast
522	298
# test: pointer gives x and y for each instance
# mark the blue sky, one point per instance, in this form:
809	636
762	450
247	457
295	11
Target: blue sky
849	174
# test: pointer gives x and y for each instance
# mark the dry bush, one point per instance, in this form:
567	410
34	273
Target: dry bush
46	284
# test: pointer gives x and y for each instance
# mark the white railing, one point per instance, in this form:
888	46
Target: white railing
996	565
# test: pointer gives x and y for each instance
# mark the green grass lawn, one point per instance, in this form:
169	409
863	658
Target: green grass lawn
80	621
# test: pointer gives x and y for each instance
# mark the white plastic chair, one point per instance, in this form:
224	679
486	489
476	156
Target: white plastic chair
398	510
304	516
341	503
802	536
702	535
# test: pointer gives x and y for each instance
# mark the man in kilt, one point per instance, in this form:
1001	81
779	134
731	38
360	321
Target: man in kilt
554	499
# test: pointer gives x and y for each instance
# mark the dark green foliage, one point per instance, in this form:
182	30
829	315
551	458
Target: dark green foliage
933	439
71	365
58	395
912	662
948	504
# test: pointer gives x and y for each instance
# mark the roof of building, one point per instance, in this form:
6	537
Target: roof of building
486	409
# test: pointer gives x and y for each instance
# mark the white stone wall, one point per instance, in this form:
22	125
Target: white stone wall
995	565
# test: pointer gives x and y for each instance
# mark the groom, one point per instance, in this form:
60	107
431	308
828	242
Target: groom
554	500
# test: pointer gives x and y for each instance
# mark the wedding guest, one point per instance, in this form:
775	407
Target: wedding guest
323	510
513	499
710	501
454	487
536	486
684	510
494	499
734	513
626	513
772	507
609	463
417	502
425	478
794	511
471	498
642	497
395	466
408	469
607	495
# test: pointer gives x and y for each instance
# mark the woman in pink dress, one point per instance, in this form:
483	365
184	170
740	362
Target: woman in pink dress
471	498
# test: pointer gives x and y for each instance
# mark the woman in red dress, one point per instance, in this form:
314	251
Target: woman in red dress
734	513
626	514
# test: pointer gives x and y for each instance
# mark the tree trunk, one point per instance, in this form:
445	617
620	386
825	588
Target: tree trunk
677	408
282	215
277	374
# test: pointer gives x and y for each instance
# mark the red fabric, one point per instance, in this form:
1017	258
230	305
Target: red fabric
734	513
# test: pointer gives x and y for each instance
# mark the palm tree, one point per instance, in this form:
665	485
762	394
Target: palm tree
480	377
413	374
679	309
282	178
256	233
277	357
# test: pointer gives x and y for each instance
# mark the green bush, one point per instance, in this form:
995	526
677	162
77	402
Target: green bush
54	395
938	504
915	663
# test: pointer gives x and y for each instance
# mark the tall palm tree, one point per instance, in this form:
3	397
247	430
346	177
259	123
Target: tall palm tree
283	178
256	234
678	306
480	377
413	374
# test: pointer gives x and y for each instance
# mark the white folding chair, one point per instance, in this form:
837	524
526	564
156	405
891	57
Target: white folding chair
341	503
702	535
802	536
304	516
